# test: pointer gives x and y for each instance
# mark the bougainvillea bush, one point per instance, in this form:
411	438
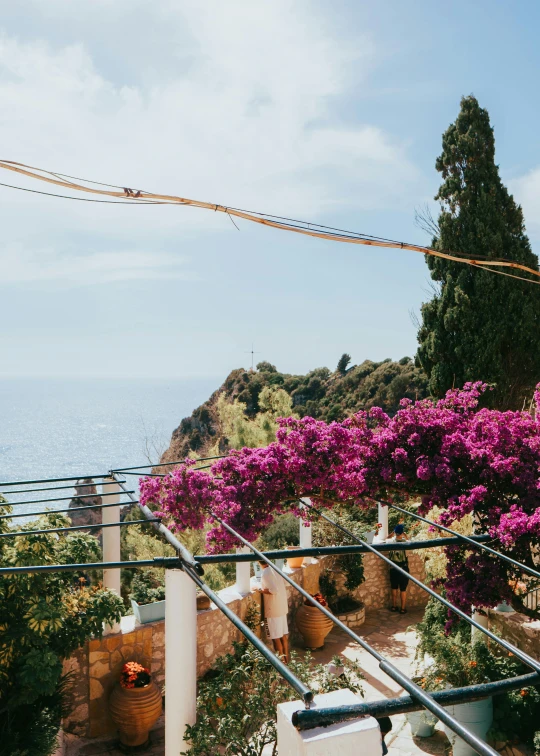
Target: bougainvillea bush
450	453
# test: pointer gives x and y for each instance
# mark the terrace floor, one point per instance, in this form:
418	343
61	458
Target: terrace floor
387	632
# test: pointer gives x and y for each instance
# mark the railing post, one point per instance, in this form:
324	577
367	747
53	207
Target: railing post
382	515
243	573
180	659
111	539
306	537
349	738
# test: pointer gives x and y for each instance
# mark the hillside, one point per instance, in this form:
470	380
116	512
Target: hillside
321	394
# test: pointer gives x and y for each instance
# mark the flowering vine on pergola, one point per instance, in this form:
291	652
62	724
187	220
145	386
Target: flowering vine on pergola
450	453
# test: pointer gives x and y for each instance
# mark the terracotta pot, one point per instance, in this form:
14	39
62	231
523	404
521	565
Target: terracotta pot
134	711
294	562
313	625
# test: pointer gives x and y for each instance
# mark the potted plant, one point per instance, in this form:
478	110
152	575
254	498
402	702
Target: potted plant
423	722
135	704
148	597
313	625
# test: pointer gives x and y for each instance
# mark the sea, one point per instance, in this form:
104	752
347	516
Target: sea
54	427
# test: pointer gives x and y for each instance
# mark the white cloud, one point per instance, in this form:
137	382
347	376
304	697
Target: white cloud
526	190
254	111
233	102
19	265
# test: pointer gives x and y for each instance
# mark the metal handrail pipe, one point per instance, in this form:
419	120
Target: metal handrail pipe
63	498
51	480
166	464
386	666
388	707
18	533
180	549
50	488
162	562
275	661
69	509
525	658
464	538
318	551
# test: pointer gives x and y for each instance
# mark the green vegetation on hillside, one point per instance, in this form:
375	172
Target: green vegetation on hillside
243	411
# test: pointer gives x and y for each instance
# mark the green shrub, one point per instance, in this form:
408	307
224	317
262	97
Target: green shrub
237	700
44	617
460	662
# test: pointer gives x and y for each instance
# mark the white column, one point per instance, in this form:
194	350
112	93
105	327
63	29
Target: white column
111	536
482	619
180	659
305	531
350	738
306	536
382	535
243	573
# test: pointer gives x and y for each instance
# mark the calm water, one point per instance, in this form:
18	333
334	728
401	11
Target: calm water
51	428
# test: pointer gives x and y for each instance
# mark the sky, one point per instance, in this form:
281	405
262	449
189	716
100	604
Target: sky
325	112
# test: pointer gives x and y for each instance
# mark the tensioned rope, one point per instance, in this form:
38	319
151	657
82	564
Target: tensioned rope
415	691
466	539
284	224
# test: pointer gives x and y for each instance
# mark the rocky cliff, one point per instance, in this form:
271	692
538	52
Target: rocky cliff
320	393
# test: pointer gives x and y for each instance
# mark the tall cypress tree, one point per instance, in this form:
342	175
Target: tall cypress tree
479	325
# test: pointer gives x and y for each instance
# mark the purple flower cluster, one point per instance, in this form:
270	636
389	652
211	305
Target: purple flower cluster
450	453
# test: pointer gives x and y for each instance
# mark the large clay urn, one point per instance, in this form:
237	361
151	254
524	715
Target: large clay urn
313	625
294	562
135	711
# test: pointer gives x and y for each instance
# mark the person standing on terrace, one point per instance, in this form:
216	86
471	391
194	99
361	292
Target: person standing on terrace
276	606
399	581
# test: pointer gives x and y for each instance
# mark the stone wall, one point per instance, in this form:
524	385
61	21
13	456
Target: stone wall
96	667
519	629
374	592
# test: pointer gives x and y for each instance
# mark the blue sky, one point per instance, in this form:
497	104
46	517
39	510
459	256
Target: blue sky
326	112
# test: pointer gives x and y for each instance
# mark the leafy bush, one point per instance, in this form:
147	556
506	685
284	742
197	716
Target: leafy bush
359	521
146	589
284	531
460	662
236	705
44	617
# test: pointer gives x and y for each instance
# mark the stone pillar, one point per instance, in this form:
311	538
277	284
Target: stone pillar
243	573
111	539
382	535
350	738
180	659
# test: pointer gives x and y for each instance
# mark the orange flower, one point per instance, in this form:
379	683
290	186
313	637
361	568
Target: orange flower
219	701
523	693
472	664
510	653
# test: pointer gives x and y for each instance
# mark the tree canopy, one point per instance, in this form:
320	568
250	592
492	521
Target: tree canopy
479	325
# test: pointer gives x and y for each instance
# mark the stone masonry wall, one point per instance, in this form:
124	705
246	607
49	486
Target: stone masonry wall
95	668
519	629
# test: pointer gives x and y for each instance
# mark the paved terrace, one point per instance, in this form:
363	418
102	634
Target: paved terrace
389	633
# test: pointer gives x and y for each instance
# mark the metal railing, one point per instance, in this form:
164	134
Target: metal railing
193	568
